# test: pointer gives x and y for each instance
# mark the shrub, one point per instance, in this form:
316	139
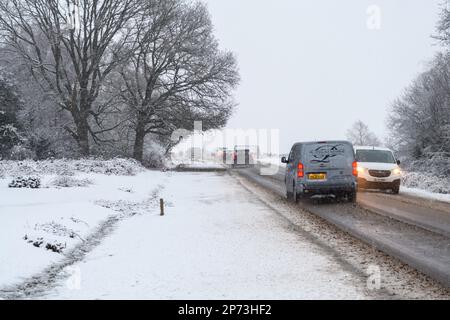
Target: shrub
69	182
30	182
426	182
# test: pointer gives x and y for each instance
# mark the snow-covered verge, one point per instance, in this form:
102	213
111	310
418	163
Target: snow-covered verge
199	164
65	167
39	226
274	160
431	174
426	182
420	193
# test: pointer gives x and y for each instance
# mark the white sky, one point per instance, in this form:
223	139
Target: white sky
312	68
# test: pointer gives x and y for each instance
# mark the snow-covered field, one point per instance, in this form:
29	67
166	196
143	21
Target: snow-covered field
34	223
215	241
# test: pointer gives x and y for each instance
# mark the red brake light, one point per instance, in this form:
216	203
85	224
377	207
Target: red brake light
355	169
301	170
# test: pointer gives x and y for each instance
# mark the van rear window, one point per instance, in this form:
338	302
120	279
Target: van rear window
340	154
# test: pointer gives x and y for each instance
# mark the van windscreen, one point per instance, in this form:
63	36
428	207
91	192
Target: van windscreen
376	156
329	154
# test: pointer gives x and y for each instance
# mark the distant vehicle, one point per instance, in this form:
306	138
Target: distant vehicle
321	168
245	155
221	154
378	169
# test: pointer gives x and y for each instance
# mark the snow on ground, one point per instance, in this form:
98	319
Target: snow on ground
37	223
215	242
67	167
419	193
275	160
427	181
197	164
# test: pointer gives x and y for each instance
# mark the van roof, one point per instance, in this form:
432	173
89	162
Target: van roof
371	148
324	142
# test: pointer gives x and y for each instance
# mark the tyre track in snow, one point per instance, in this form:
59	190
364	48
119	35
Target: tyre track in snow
37	285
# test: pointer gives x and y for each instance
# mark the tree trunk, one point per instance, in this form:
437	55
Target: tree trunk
138	152
81	134
83	137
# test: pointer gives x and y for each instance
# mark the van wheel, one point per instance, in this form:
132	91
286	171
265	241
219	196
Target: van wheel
352	197
396	188
296	196
289	195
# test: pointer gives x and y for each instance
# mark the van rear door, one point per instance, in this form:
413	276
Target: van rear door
328	161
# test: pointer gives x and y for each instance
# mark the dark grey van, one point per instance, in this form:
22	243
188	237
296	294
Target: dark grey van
321	168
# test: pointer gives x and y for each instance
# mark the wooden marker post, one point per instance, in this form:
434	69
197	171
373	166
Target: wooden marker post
161	204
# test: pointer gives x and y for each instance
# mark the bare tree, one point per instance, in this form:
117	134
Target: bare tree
177	75
42	123
420	119
10	105
443	27
70	48
360	135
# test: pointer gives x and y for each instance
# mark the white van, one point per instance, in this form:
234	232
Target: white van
378	169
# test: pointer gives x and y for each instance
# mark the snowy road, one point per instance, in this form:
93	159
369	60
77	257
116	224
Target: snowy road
417	208
215	242
413	230
426	213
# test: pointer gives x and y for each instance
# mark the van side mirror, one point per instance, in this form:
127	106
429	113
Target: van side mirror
399	162
284	160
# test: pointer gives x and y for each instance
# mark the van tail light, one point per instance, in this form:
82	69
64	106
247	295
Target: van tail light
300	170
355	169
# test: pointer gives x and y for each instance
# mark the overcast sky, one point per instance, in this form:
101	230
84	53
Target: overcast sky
312	68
